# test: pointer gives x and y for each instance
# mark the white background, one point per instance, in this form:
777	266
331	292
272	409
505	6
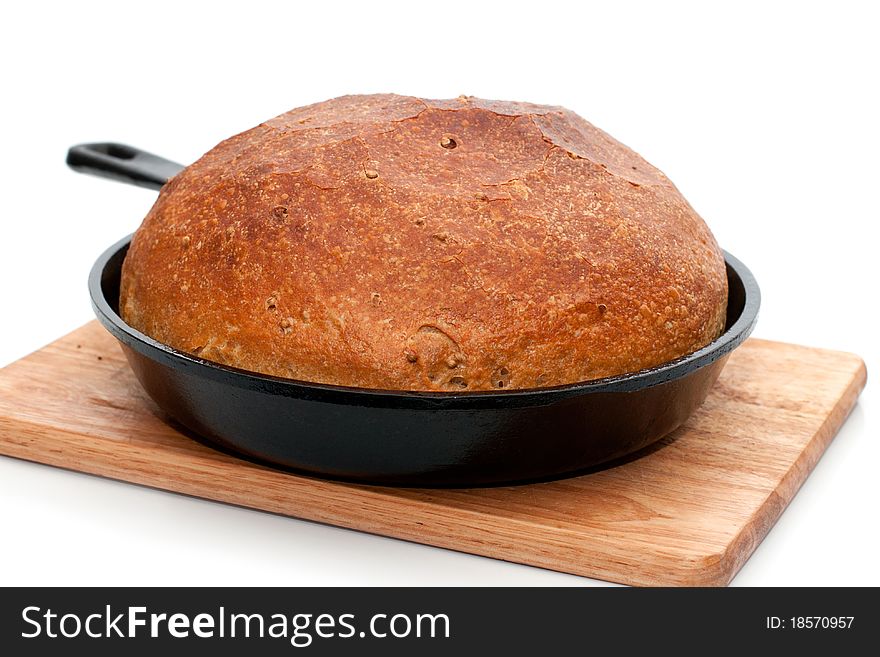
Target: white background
765	115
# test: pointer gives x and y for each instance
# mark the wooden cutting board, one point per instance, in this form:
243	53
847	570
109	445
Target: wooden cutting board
689	512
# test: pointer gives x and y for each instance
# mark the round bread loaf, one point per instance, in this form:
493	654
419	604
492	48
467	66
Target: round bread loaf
393	242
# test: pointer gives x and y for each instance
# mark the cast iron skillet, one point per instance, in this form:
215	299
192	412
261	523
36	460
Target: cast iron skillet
406	438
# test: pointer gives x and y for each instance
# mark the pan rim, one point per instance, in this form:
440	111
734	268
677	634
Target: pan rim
732	337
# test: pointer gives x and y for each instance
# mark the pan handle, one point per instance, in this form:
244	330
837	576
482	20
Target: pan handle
123	163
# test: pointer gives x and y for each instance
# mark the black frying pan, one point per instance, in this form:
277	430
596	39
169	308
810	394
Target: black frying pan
407	438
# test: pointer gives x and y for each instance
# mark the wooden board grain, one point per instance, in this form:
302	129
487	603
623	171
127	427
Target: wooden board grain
689	512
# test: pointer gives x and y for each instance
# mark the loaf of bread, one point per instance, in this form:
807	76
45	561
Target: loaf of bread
398	243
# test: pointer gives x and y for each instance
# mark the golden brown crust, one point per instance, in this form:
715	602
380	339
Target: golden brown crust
393	242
